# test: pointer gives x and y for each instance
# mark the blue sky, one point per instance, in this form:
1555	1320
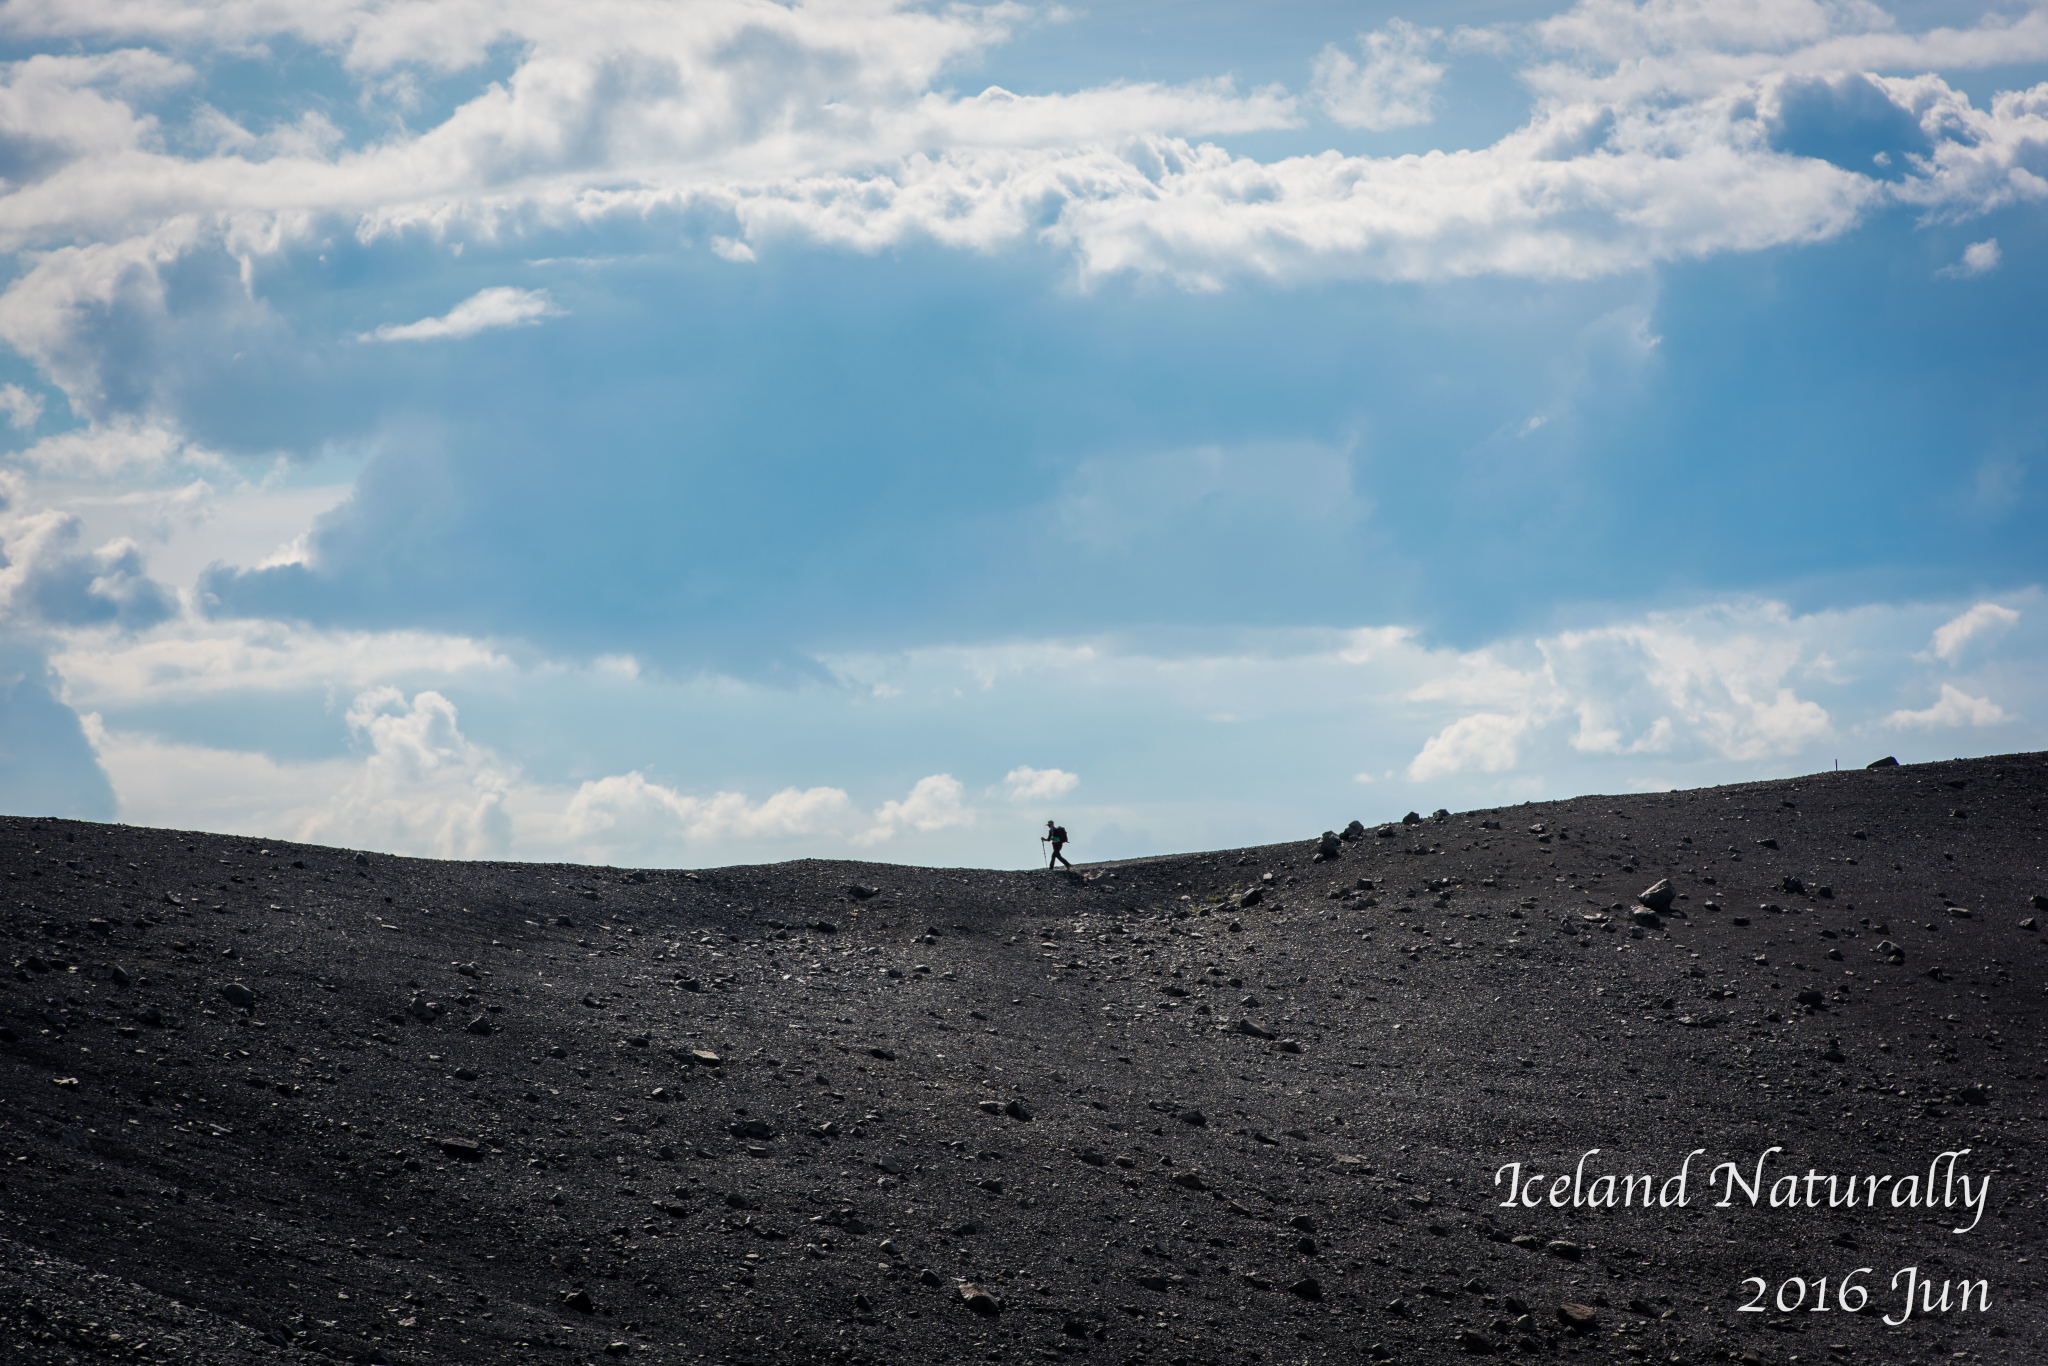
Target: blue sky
687	434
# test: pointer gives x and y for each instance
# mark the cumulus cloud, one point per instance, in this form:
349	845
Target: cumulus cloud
1394	87
1484	742
1955	708
499	306
1657	133
23	408
935	803
1984	620
1979	258
48	579
424	787
119	449
627	809
1027	784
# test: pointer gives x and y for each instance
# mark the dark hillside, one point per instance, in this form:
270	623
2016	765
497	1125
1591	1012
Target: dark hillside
265	1101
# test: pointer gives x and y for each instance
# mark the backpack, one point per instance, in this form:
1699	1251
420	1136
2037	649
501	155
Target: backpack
1059	834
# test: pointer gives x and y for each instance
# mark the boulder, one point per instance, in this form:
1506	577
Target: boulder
1659	895
1887	762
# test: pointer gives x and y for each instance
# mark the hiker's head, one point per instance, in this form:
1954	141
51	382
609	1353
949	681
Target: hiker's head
1048	825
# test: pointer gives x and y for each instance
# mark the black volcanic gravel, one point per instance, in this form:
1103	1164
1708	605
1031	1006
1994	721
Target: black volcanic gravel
820	1111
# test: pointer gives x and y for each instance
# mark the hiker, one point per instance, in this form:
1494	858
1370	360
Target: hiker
1056	836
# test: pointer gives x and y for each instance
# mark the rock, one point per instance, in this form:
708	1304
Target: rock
465	1074
989	1107
1526	1240
1308	1287
480	1025
1194	1117
1251	898
863	1305
1287	1046
469	970
861	893
99	926
1440	815
886	1055
463	1149
118	975
151	1015
1328	846
1190	1181
236	994
1792	885
759	1130
1767	844
1015	1110
579	1300
1887	762
1250	1030
703	1057
992	1184
1476	1343
1412	818
2038	901
1811	997
422	1008
1353	831
1659	895
1578	1318
618	1349
362	859
929	1277
1152	1282
171	899
1305	1246
888	1163
1092	1157
1558	1247
978	1299
1647	918
1386	832
2027	924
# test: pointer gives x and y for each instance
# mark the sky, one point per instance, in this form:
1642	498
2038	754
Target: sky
666	434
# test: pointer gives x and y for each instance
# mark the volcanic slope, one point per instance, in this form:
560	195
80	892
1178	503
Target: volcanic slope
275	1101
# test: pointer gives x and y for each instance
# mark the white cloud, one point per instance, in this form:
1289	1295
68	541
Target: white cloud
499	306
1956	708
118	449
1396	86
1026	784
1484	742
935	803
1979	258
1646	143
1724	692
23	408
628	810
1984	619
423	788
